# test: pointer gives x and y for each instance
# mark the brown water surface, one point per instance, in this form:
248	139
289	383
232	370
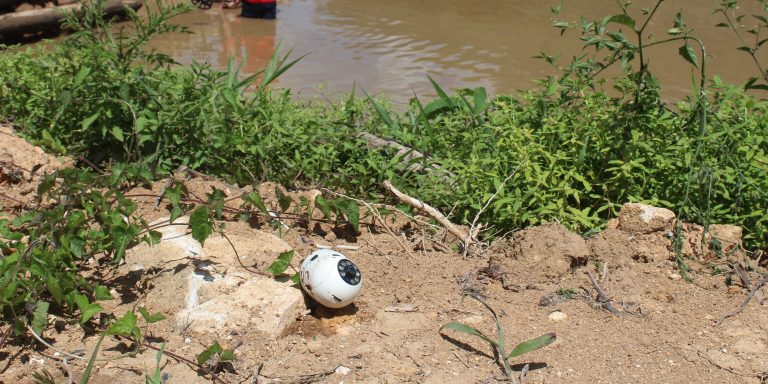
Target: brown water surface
390	46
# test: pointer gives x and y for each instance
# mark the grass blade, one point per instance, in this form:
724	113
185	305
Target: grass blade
91	361
392	124
469	330
532	345
443	96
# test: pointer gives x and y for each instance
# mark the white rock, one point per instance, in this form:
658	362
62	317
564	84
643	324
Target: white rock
557	316
643	218
342	370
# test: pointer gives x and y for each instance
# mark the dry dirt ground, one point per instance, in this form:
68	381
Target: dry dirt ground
666	329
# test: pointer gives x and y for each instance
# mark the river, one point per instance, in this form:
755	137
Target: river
391	46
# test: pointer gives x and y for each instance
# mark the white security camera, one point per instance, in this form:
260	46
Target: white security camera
330	278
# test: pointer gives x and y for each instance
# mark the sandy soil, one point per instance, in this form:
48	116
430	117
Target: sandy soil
666	330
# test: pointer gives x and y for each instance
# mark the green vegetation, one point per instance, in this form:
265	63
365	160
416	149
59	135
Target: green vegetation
499	344
581	153
567	150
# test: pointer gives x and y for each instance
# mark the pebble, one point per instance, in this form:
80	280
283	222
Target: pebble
675	276
342	370
557	316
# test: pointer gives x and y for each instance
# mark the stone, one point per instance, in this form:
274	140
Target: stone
726	233
557	316
264	304
342	370
544	252
204	287
643	218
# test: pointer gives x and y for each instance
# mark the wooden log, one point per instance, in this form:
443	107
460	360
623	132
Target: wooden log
19	23
409	157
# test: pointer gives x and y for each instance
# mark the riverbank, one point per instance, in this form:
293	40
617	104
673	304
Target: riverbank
544	199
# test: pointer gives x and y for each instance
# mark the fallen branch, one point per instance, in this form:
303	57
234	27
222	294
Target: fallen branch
752	292
747	282
409	156
457	231
603	302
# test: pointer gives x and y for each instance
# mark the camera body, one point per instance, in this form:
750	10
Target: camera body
330	278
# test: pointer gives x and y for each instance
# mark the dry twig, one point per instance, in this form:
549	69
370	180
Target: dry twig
603	301
457	231
752	292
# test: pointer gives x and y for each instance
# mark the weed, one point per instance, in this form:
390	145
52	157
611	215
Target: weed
214	355
157	376
499	343
567	293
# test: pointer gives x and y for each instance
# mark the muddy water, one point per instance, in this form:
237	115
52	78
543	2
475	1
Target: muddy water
390	46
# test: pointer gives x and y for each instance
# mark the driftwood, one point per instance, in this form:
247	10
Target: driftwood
454	229
19	23
409	156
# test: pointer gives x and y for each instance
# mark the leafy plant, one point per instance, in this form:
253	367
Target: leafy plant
282	263
157	376
215	355
568	293
499	343
734	21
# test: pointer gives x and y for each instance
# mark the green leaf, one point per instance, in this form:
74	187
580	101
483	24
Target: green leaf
156	377
324	206
481	99
155	237
283	200
532	345
40	317
441	94
623	19
102	293
216	201
352	211
206	355
117	133
296	278
383	113
281	264
124	326
227	355
175	214
89	120
87	373
255	199
54	288
687	52
81	75
467	329
47	182
150	318
200	224
76	245
87	309
121	237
